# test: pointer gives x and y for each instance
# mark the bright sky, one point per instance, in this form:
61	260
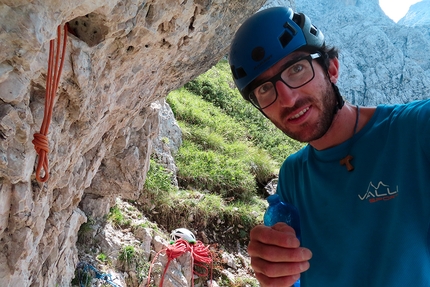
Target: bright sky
396	9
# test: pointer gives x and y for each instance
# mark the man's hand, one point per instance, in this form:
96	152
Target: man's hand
276	255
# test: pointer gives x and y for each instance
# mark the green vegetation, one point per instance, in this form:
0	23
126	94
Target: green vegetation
215	154
131	258
127	254
117	218
158	180
103	258
147	224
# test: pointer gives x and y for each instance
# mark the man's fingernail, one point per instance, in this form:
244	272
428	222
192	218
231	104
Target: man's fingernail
304	266
306	254
292	241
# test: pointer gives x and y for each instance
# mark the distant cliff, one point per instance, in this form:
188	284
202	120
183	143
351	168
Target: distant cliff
418	15
381	61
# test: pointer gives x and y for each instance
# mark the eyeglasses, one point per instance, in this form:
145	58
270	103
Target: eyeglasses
294	74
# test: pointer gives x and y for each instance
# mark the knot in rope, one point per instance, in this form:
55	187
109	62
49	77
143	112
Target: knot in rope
41	145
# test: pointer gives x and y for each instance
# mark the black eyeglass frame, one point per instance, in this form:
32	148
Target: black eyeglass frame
278	77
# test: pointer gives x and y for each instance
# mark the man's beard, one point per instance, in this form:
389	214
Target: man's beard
327	106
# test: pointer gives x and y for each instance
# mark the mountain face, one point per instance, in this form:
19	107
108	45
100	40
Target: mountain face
418	15
380	61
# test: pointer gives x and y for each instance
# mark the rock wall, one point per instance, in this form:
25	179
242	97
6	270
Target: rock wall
122	59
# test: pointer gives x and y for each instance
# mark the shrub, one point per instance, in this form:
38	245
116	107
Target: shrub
127	254
117	218
103	258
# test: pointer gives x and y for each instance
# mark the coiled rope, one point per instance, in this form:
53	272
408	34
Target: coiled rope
55	66
200	256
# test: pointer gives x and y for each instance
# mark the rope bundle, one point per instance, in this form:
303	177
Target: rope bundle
200	256
55	66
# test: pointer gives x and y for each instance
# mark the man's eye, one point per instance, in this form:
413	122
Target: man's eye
264	88
296	68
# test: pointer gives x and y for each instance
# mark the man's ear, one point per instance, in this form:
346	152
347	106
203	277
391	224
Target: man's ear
333	70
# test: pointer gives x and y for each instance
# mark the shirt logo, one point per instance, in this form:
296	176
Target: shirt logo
380	192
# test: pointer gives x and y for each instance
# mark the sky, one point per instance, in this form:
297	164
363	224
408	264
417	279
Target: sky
396	9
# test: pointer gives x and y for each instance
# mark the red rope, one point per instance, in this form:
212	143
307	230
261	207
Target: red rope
40	141
200	256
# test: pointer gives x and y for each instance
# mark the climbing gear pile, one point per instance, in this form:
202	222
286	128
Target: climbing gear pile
86	272
55	66
200	254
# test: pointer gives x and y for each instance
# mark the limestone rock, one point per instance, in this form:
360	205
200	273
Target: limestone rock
122	59
168	141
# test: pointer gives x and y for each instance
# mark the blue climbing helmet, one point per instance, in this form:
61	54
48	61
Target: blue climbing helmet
267	37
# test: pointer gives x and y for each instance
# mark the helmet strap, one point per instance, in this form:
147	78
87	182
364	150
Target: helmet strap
339	99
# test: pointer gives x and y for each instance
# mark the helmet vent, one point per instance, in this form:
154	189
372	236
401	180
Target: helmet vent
285	39
299	19
313	30
290	28
238	73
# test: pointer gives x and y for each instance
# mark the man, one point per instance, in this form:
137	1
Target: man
361	185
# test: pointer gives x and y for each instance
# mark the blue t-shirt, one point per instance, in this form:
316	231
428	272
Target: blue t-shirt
368	227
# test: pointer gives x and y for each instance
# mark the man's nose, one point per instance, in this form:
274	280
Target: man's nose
286	95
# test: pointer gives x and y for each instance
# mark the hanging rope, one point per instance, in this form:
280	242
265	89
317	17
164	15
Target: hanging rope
55	66
200	256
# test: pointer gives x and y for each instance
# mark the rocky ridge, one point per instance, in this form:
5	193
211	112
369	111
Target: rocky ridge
418	15
381	62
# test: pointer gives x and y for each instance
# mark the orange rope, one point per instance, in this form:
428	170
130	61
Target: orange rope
40	141
199	254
